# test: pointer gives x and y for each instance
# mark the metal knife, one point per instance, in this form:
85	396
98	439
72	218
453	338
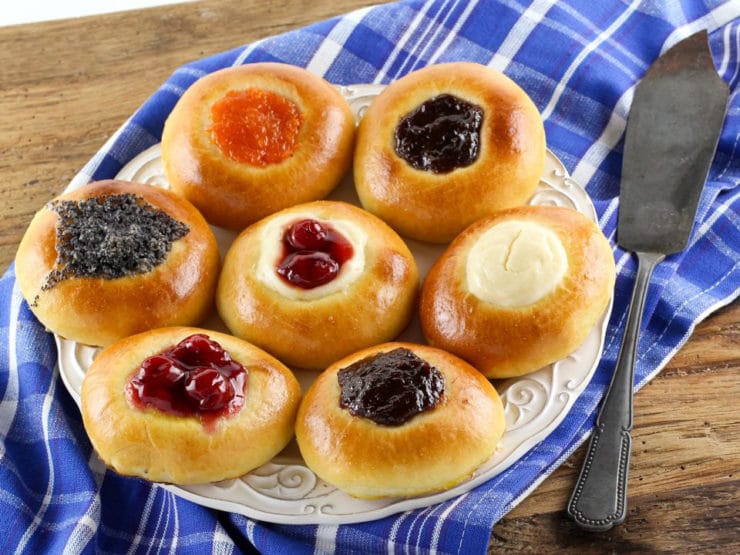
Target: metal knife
672	133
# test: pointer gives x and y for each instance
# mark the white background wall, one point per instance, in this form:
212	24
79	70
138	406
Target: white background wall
26	11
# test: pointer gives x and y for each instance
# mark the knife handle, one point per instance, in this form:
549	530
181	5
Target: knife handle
599	500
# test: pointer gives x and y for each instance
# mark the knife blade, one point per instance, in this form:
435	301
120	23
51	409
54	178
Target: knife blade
672	133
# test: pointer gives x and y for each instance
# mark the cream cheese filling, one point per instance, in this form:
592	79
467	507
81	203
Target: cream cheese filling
271	239
515	263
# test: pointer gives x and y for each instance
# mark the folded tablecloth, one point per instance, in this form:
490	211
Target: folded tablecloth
579	61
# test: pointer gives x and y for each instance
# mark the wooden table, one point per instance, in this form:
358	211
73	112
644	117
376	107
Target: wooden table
67	86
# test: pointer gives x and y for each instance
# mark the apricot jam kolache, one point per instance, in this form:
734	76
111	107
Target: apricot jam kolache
518	290
398	420
446	145
247	141
114	258
316	282
185	406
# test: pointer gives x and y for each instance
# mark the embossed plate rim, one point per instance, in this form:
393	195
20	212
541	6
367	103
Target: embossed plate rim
285	491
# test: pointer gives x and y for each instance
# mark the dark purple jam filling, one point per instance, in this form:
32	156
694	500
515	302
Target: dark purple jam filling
440	135
111	237
390	388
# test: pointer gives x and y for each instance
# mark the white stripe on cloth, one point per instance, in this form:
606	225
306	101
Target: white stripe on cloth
176	532
432	24
726	57
9	403
45	416
618	46
247	51
136	540
333	43
453	32
391	543
731	158
87	527
523	461
383	72
715	19
438	28
250	531
706	225
441	520
614	129
222	543
163	512
737	49
606	216
84	531
575	64
326	539
516	36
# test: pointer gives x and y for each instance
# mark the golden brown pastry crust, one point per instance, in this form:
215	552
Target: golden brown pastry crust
98	311
436	207
506	342
172	449
233	194
314	333
434	450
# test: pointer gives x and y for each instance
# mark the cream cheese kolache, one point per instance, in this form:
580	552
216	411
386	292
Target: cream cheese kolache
114	258
446	145
519	289
246	141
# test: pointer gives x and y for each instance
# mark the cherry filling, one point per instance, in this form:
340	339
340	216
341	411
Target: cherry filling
196	377
313	254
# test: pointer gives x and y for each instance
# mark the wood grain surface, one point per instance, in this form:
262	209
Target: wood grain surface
67	86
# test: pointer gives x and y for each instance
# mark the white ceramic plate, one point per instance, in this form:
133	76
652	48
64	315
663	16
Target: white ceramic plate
285	490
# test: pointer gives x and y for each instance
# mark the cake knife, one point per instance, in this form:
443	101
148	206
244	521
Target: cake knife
672	133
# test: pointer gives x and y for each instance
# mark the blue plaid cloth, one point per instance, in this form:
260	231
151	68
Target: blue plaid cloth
579	60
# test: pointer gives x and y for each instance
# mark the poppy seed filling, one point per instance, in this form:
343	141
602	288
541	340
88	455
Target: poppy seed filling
110	237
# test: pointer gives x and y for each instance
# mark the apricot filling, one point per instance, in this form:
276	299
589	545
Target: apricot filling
255	126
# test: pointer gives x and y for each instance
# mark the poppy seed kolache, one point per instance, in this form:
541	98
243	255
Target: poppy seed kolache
114	258
446	145
186	405
246	141
518	290
315	282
